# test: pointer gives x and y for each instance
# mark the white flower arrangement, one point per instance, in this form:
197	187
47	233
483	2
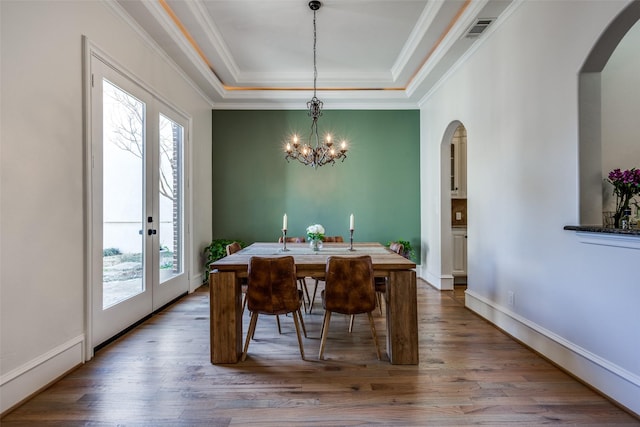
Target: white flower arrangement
315	232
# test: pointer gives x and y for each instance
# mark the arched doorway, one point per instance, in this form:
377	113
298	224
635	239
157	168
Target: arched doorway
454	206
600	150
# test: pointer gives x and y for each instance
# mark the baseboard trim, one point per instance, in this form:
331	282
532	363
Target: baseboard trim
444	282
195	282
618	384
24	381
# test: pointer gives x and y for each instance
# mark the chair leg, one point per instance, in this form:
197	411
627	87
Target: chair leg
277	321
353	316
322	325
295	321
304	304
325	332
304	328
253	333
244	302
313	298
375	336
250	332
303	300
379	302
303	286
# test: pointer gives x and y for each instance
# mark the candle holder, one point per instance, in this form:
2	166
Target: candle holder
284	240
351	240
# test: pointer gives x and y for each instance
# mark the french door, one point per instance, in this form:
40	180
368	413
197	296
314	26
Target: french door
137	202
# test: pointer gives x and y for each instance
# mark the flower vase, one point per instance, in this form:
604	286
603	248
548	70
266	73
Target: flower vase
622	206
315	244
626	184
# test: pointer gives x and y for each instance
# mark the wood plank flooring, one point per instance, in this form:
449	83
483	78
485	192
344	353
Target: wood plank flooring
470	373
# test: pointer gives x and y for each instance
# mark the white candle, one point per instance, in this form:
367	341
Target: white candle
351	222
284	222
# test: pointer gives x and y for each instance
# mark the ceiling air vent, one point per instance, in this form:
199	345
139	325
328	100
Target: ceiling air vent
478	27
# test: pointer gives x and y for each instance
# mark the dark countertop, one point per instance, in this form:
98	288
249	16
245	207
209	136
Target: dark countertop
600	229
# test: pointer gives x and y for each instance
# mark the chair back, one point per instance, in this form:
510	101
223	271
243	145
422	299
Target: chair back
233	248
349	285
333	239
397	247
292	239
272	285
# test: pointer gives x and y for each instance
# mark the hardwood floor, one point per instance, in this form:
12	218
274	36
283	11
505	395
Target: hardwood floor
470	373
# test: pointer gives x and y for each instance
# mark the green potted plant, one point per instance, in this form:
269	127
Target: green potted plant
214	251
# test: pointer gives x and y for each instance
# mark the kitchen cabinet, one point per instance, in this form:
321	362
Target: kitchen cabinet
459	247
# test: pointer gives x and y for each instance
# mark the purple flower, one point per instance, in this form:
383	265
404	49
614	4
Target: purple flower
625	186
627	181
615	175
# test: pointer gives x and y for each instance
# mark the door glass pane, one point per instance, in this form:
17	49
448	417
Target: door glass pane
123	201
170	188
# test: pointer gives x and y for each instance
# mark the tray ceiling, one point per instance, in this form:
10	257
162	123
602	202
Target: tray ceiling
259	54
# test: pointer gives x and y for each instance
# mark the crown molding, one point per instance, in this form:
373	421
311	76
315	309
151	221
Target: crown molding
417	34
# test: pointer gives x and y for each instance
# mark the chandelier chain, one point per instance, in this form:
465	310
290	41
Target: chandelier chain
315	67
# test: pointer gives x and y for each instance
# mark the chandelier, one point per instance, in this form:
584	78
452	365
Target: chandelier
325	152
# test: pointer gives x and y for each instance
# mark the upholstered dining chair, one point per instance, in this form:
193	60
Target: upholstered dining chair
328	239
301	280
381	282
272	290
232	248
292	239
349	290
396	247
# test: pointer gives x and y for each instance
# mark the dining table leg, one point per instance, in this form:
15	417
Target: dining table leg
402	318
225	296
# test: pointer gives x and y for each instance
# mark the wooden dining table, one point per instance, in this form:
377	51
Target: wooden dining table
225	294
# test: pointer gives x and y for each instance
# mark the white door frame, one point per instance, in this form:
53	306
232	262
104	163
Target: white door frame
89	49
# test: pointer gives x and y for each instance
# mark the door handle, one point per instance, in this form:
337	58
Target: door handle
152	231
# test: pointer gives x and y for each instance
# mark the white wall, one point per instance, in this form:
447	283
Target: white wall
42	288
517	95
620	106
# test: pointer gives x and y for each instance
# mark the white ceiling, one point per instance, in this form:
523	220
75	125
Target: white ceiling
259	54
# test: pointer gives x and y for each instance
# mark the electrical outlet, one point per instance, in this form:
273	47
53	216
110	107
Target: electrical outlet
458	216
511	298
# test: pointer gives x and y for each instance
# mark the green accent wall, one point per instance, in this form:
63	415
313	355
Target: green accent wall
379	182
